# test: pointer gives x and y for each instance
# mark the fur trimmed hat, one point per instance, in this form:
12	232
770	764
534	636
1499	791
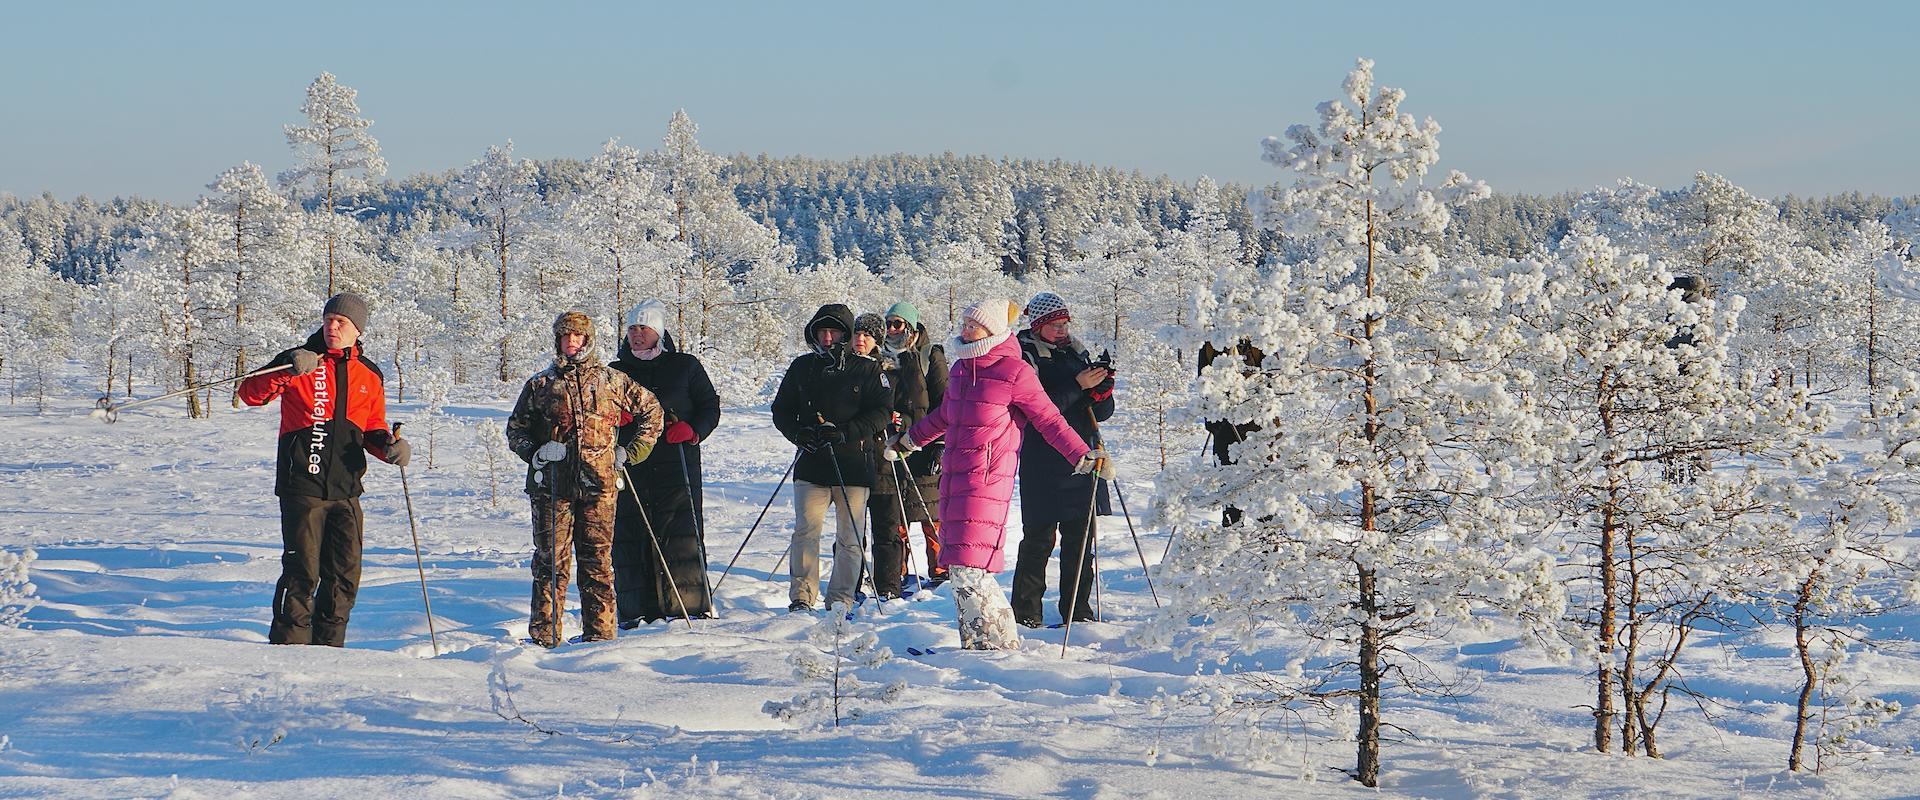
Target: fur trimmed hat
572	322
1046	307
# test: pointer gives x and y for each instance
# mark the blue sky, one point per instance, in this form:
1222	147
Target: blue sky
156	99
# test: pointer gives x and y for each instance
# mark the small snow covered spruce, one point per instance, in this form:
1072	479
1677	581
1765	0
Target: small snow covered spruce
836	646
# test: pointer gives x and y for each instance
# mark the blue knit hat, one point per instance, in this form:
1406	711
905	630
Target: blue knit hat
905	311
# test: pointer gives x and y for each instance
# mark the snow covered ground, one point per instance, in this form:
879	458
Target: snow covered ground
144	671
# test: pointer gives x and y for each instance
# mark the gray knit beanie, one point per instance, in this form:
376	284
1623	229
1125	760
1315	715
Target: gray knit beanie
349	305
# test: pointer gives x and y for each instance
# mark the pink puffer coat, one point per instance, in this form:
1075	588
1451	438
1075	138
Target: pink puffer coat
990	397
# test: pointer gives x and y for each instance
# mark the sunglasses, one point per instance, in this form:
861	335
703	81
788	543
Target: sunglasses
896	324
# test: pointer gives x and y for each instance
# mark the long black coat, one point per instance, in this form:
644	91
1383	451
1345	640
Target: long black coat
847	391
669	483
679	381
1049	491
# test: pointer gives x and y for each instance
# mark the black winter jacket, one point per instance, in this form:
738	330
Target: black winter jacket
1049	491
844	389
686	394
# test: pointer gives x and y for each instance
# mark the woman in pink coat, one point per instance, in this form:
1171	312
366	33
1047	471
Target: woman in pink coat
991	394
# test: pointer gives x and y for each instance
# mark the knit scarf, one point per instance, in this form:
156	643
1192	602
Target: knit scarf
965	350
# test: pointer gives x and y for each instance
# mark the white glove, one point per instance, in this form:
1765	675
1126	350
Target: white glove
1095	460
548	453
898	446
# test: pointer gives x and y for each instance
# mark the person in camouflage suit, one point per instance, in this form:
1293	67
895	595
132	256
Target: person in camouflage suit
564	427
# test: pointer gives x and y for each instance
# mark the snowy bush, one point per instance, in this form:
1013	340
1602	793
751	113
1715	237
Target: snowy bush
17	592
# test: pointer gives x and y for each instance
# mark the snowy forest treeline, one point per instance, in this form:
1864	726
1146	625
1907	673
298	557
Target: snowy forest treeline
1472	409
741	248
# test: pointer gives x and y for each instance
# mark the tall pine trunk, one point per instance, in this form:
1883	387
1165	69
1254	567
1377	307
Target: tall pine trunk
1603	709
194	408
239	301
1367	757
1810	674
500	248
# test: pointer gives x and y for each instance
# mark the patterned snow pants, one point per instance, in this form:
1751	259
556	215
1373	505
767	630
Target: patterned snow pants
986	621
562	530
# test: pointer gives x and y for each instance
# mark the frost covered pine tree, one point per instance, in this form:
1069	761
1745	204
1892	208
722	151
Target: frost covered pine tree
503	196
330	149
1381	496
1205	247
1842	561
622	221
272	289
1643	401
952	277
1108	286
1715	231
722	243
176	266
36	320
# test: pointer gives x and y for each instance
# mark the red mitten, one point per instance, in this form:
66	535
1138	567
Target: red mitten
680	433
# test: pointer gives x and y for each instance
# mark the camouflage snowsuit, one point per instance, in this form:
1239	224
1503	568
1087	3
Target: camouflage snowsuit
579	403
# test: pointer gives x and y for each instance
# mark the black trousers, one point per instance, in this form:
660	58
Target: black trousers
889	542
1030	570
642	589
319	570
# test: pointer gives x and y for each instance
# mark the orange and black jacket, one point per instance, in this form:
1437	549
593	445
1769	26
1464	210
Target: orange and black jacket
330	419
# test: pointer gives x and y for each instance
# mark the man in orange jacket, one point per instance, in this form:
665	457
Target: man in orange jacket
333	412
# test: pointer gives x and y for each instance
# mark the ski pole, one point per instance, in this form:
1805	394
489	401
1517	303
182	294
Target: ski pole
653	536
1101	442
1070	602
846	502
906	535
418	563
1137	548
920	499
111	413
556	591
699	524
756	523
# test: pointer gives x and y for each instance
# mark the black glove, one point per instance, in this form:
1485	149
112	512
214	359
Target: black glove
827	434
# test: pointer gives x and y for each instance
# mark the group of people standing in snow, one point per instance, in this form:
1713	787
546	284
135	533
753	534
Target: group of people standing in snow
891	428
